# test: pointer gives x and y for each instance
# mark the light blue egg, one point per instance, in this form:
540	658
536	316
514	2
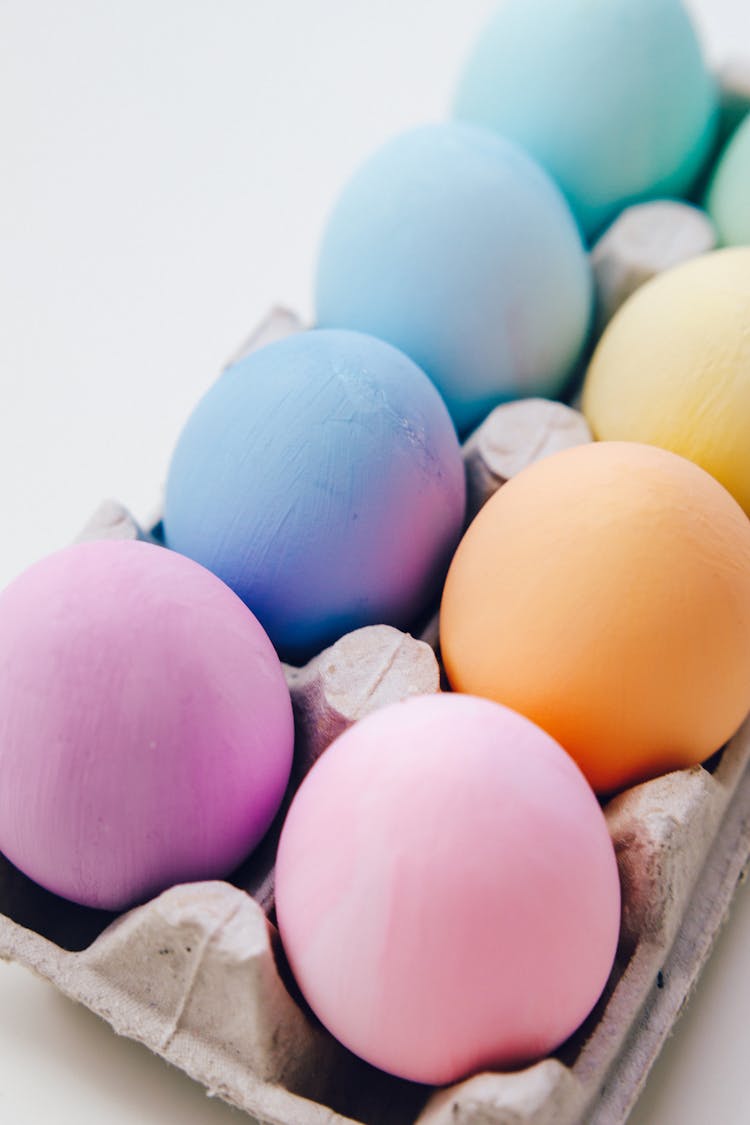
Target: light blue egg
455	246
321	478
612	96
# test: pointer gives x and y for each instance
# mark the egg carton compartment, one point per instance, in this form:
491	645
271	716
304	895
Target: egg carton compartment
198	974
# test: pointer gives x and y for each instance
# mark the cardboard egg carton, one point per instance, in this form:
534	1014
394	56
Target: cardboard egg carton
198	974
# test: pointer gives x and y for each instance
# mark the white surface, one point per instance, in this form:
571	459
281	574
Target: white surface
61	1065
166	170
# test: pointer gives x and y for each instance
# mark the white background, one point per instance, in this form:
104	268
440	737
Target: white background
165	170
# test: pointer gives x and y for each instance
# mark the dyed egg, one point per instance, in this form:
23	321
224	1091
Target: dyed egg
604	592
728	200
612	97
446	890
321	478
455	246
145	724
672	368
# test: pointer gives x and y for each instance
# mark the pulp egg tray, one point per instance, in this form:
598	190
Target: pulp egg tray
198	975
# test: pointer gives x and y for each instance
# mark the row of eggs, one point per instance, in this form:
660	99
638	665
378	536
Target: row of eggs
146	733
455	246
146	738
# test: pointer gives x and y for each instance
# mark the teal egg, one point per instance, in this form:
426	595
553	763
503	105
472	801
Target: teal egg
612	97
728	200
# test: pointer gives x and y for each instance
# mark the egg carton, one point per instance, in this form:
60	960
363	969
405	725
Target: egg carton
198	974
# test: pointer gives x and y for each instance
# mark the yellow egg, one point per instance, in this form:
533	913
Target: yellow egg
604	593
673	368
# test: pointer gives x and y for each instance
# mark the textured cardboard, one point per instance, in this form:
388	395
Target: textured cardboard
643	241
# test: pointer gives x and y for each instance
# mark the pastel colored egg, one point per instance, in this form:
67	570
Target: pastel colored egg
612	97
322	479
604	592
145	724
447	891
728	198
455	246
671	368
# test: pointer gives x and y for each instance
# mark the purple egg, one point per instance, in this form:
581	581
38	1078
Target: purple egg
146	728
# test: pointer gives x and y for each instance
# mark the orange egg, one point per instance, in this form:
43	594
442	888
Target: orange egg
604	593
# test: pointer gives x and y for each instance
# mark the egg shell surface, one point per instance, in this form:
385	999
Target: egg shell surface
322	479
672	368
728	200
145	724
454	245
612	97
604	592
446	889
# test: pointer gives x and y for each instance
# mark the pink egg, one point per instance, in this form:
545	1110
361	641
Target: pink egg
145	725
447	891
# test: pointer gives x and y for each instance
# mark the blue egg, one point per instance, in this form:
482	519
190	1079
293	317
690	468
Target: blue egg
456	247
321	478
612	96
